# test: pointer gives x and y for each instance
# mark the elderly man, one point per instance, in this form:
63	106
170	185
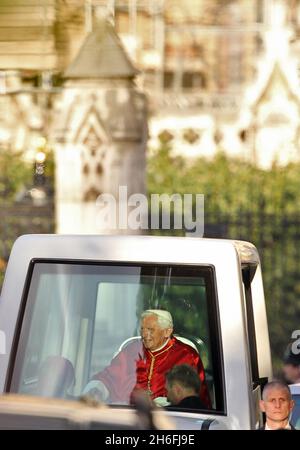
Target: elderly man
143	364
277	404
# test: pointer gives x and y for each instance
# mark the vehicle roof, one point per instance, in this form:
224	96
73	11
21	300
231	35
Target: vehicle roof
116	243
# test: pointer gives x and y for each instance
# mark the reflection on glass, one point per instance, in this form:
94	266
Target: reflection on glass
83	324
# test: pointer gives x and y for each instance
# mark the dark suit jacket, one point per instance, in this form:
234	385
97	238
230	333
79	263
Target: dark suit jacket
192	402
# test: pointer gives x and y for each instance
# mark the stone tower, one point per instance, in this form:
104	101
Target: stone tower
100	133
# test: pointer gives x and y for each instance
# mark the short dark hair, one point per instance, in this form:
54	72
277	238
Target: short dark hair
290	357
185	375
277	384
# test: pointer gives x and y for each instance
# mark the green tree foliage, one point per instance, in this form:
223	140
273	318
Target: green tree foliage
230	185
15	173
16	179
245	202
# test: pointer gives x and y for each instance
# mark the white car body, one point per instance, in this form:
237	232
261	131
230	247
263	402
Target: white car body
242	322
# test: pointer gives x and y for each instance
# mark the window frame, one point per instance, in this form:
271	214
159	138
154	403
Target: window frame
27	305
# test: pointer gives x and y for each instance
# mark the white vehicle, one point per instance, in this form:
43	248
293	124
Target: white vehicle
77	300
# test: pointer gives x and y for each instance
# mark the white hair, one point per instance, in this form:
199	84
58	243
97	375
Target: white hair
276	384
164	318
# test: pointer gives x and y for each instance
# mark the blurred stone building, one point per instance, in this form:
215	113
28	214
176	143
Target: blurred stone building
220	74
67	83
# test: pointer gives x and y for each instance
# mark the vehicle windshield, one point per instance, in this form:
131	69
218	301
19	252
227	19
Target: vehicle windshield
81	330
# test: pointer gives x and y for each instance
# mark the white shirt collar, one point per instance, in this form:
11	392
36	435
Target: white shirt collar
160	348
287	427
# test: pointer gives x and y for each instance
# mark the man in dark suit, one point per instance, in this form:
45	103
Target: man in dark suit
183	387
277	404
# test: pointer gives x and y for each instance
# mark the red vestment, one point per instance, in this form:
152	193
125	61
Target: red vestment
135	367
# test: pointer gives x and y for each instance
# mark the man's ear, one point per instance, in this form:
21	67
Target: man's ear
292	404
262	405
168	332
